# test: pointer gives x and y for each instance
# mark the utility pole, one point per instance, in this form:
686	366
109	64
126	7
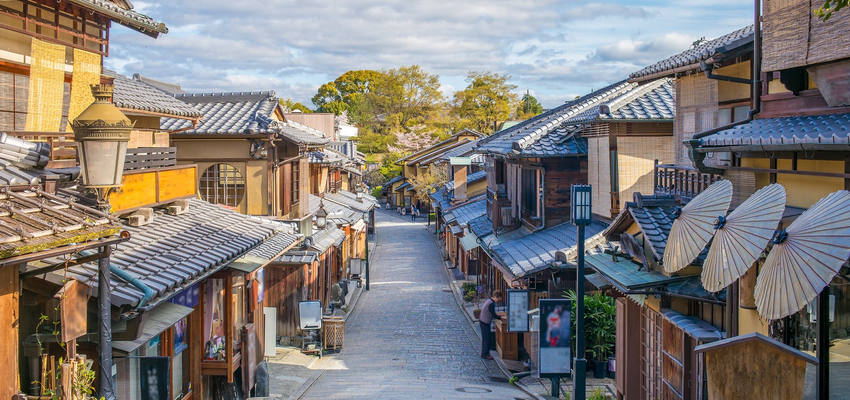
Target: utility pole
580	198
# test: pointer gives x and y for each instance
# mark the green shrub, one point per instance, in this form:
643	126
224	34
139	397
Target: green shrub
599	324
376	192
597	395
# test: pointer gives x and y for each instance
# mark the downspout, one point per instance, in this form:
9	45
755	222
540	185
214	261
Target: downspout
272	181
126	277
692	144
148	293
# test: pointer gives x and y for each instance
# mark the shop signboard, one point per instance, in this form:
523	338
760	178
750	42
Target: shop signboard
554	350
517	310
154	374
310	314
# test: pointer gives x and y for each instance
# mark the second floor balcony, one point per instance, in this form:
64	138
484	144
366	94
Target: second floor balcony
681	180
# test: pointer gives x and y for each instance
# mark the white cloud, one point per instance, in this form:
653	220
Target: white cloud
553	47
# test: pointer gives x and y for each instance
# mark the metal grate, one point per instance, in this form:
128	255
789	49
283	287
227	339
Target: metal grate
223	184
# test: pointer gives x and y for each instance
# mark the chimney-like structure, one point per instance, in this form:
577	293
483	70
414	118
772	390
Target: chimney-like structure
460	183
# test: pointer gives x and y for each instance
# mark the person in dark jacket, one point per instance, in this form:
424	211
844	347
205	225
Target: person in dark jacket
488	314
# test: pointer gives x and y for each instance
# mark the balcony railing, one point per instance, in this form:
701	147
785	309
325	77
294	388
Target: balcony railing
63	149
681	180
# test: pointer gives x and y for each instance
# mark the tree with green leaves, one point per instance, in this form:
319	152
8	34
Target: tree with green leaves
294	106
830	7
528	107
346	94
486	100
404	97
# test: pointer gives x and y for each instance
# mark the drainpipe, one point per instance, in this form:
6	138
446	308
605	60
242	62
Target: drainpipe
126	277
104	303
692	144
272	181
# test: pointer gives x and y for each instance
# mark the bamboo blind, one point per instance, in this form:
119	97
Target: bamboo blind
636	163
599	175
696	112
86	74
46	87
794	37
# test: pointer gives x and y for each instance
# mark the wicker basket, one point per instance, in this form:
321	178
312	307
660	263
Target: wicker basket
334	332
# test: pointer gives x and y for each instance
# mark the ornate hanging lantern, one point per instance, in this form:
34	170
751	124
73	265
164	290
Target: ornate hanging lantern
102	132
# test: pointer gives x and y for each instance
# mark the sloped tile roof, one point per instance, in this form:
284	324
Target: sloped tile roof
301	134
650	101
529	131
562	141
441	199
124	16
530	253
138	95
325	238
235	113
481	226
776	133
176	251
462	214
350	200
700	52
298	257
338	213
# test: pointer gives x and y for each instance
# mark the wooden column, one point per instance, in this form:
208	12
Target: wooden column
228	326
9	322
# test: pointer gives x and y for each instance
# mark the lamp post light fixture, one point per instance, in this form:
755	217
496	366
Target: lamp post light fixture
580	215
321	216
102	133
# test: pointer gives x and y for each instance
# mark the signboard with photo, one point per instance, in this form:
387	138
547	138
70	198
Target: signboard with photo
517	310
554	357
310	314
153	374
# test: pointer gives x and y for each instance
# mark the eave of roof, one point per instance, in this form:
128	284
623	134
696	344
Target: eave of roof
129	18
817	132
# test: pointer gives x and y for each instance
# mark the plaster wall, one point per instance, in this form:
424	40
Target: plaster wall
256	190
211	149
749	321
727	91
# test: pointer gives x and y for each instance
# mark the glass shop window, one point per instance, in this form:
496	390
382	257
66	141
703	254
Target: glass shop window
214	320
180	362
238	309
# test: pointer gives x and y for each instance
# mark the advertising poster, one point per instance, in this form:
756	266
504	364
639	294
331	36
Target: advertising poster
517	310
554	337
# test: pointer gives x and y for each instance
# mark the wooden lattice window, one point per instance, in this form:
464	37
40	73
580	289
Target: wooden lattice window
14	99
296	182
223	184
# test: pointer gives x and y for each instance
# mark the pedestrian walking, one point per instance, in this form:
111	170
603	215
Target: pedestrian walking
413	213
488	314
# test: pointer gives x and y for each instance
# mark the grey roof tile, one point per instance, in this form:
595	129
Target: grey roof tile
232	113
139	95
776	133
530	253
462	214
348	199
176	251
124	16
700	52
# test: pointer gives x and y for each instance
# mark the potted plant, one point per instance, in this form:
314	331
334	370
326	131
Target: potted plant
599	329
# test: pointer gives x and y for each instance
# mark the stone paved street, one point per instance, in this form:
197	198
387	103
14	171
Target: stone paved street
407	337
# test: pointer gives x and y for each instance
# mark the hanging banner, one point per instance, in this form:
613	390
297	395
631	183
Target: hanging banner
153	378
554	337
517	303
86	74
46	88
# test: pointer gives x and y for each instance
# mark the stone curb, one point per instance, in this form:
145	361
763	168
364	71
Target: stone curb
459	302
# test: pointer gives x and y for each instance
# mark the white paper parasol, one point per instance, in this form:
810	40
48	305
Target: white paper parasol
694	226
805	257
742	236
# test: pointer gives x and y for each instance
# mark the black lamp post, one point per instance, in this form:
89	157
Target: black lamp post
580	214
102	132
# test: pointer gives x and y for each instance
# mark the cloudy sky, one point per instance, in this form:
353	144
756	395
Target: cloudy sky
556	49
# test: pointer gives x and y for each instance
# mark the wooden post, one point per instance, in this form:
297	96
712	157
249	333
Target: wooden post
228	326
9	323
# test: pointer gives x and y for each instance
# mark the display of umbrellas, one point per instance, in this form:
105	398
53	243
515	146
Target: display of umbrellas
803	259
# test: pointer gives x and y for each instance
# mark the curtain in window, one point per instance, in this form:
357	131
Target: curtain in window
47	78
86	73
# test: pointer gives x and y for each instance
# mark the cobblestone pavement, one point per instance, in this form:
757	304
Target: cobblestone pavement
407	338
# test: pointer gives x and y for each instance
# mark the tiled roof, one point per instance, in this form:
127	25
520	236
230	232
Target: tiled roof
700	52
125	16
530	253
326	156
527	132
138	95
348	199
433	155
441	199
236	113
653	214
173	252
453	137
13	175
297	257
301	134
393	180
562	141
693	326
337	213
325	238
462	214
481	226
651	101
460	151
626	274
403	186
808	132
32	221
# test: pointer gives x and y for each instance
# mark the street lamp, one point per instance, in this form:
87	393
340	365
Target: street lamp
580	215
321	216
102	132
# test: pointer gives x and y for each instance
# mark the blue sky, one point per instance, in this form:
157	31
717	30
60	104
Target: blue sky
556	49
